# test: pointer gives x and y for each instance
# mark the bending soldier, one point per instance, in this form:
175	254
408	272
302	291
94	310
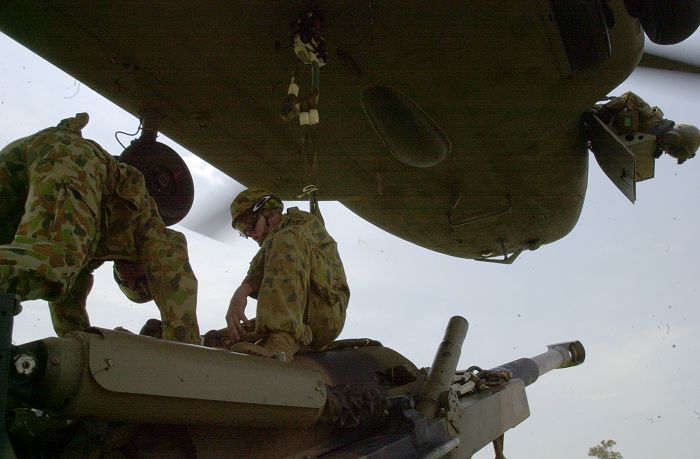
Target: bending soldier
297	277
629	113
68	205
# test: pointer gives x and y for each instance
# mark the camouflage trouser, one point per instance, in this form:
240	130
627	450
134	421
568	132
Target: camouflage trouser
69	313
57	229
290	301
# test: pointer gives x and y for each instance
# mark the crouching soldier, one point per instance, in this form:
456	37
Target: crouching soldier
68	205
297	277
629	113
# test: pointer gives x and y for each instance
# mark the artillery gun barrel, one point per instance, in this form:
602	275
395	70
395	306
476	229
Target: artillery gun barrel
560	355
482	417
112	375
99	375
444	365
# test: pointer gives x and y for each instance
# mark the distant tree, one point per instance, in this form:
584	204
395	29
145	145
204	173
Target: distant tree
604	450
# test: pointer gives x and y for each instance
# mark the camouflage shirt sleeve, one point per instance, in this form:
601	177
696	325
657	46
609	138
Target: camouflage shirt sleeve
256	271
649	117
627	100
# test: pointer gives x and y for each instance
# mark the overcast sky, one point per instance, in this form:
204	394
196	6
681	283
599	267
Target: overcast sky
624	282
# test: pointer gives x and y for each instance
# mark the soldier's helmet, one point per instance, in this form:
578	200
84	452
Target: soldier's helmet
682	142
131	279
251	201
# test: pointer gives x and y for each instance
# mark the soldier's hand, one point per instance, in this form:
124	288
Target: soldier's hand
236	312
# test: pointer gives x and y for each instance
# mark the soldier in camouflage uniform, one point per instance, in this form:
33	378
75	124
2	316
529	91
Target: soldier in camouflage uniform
68	205
629	113
297	277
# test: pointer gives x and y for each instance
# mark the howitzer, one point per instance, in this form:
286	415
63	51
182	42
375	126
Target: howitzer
102	392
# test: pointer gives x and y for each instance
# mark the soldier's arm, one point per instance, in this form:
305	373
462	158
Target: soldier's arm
236	311
163	251
236	319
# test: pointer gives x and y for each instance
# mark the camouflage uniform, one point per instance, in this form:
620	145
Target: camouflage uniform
629	113
300	282
67	205
649	117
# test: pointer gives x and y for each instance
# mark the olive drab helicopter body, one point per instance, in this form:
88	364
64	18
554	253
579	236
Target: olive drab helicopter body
455	126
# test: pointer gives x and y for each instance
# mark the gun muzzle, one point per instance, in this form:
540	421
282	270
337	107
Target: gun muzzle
560	355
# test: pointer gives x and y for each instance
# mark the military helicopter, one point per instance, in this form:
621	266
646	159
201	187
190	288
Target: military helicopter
153	432
455	127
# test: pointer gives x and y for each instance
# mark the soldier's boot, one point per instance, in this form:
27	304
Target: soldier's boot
279	345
